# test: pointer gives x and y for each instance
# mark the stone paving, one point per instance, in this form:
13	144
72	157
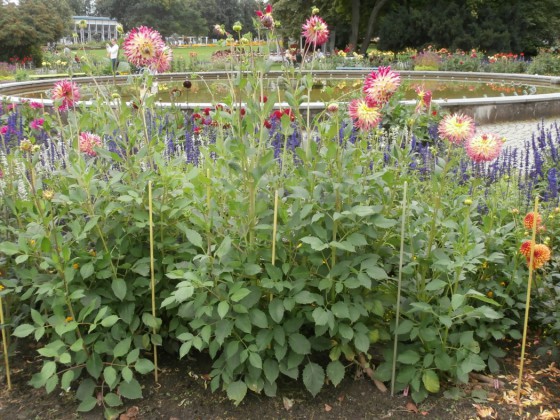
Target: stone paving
516	132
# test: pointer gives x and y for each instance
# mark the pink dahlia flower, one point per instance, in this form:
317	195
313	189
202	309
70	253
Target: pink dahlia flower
142	45
315	31
35	105
66	93
456	128
366	115
484	147
87	142
380	85
3	130
37	123
162	61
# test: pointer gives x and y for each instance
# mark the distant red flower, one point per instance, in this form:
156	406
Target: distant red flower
37	123
267	124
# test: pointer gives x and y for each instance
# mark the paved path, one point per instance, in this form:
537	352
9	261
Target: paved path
518	131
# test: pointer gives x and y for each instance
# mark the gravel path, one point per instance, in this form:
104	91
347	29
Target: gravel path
517	132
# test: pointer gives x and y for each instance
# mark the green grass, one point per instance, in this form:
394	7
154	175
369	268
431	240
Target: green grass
204	53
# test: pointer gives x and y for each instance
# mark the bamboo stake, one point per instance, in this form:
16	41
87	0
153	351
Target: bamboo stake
274	227
5	346
152	275
397	315
528	301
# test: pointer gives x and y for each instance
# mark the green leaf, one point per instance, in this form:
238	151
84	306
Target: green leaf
320	316
110	376
65	358
87	404
87	270
315	243
109	321
340	310
183	293
122	347
276	310
443	361
112	399
271	370
223	308
299	344
194	237
408	357
236	391
66	380
127	374
37	317
143	366
457	300
240	294
363	211
335	372
224	248
435	284
21	259
131	390
430	380
361	341
405	326
384	223
258	318
119	288
9	248
473	362
255	360
150	321
223	330
313	378
23	330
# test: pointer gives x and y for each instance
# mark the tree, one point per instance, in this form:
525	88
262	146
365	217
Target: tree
30	24
187	17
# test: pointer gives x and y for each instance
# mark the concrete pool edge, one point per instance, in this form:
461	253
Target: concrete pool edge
487	110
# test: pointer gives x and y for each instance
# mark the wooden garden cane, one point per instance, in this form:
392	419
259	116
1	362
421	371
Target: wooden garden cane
527	302
5	345
152	275
395	344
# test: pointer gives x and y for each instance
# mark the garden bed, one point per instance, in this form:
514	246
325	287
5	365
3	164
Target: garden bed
183	392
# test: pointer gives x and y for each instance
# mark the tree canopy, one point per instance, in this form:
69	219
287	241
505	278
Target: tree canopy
30	24
184	17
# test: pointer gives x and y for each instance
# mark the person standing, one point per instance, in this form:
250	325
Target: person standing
113	53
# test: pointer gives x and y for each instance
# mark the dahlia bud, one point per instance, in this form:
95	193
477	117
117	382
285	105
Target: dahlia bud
237	26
